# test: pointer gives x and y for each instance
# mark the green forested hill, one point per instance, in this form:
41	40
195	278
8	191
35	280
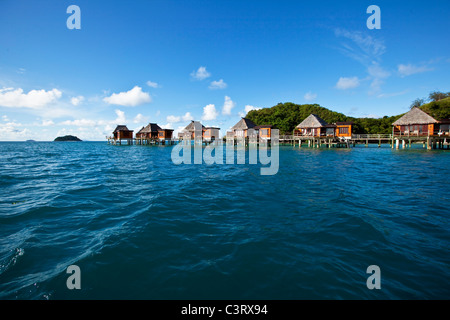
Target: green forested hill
438	109
286	116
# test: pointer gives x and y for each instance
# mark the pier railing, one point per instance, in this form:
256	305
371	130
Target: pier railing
286	137
371	136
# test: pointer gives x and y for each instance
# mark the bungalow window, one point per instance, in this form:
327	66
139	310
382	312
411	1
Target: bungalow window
343	130
264	132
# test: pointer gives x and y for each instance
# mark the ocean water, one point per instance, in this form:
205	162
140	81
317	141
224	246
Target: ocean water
140	227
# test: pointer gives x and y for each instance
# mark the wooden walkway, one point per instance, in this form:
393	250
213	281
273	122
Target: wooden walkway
394	141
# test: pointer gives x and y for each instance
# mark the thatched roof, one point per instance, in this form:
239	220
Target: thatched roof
415	116
151	127
243	124
190	127
312	121
121	128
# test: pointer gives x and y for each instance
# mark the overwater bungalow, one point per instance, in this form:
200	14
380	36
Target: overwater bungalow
417	126
165	134
211	133
149	132
417	122
330	130
122	133
313	126
189	131
240	129
344	130
443	127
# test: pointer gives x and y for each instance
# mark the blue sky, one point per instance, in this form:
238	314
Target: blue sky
134	62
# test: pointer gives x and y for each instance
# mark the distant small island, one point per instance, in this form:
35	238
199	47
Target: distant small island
67	138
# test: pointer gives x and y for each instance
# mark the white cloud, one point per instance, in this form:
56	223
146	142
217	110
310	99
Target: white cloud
347	83
178	129
76	100
152	84
167	126
209	112
228	105
378	72
367	50
35	99
361	47
187	117
200	74
9	132
393	94
131	98
80	123
309	96
409	69
375	86
5	118
176	119
109	124
247	109
47	123
218	85
173	119
140	119
121	119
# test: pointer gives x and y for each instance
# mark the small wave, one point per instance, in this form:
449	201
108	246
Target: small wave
12	260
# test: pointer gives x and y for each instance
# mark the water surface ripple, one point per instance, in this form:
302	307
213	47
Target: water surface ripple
140	227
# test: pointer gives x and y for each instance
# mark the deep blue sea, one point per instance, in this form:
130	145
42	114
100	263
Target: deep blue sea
141	227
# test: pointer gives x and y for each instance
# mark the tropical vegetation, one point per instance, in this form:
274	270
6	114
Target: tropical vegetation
286	116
